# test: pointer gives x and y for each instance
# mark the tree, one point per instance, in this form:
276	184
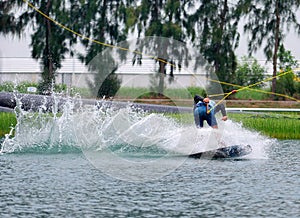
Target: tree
49	42
286	63
248	72
213	29
102	21
8	23
95	19
160	18
46	50
105	83
99	20
266	21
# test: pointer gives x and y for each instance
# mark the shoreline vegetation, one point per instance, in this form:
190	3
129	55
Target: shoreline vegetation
283	125
274	125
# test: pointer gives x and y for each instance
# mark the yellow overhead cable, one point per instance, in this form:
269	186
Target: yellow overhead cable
93	40
68	29
87	38
161	60
256	90
247	87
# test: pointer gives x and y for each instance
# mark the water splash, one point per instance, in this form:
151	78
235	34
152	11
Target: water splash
41	132
125	131
235	134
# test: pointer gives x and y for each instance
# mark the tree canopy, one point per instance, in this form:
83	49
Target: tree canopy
213	29
266	22
8	23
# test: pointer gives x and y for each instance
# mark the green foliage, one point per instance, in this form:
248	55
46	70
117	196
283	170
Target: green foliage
280	126
60	88
49	42
7	121
297	82
20	87
105	83
213	29
184	93
182	118
163	19
274	125
196	91
127	92
160	19
211	25
110	86
8	22
23	87
247	94
262	22
157	85
98	23
286	60
287	84
83	92
266	21
45	88
7	87
102	20
248	72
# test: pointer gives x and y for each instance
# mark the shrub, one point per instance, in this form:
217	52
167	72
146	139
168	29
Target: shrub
248	72
287	84
110	86
7	87
22	87
196	91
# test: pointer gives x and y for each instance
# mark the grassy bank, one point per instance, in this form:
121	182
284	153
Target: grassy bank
275	125
178	93
7	120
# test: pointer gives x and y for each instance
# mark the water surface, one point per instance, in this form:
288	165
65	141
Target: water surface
104	162
67	185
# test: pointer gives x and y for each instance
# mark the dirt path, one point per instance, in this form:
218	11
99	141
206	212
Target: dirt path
229	103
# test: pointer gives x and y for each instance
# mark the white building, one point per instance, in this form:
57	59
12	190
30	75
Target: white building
74	73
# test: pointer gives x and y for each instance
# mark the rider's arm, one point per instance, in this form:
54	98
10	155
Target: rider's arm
221	107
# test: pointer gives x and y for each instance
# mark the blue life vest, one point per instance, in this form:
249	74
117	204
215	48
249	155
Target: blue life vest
201	107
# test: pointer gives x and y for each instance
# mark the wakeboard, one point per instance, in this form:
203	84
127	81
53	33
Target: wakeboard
233	151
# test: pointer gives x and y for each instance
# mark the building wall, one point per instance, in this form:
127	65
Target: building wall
75	73
128	79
